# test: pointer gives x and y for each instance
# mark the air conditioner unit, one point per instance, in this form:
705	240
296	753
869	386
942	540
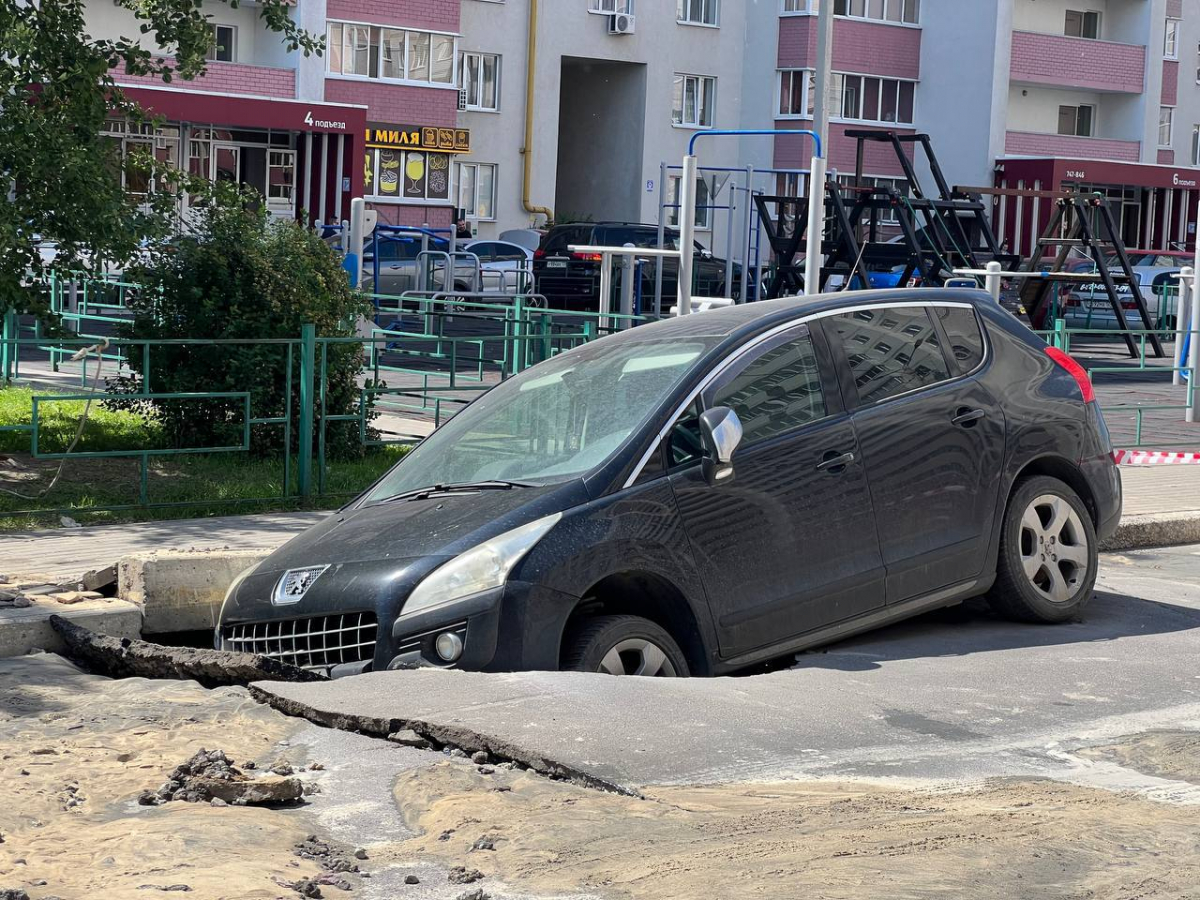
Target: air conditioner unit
622	23
462	100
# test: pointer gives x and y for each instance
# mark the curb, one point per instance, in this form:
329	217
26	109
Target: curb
1162	530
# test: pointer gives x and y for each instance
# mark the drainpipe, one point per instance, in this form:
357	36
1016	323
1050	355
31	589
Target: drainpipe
527	150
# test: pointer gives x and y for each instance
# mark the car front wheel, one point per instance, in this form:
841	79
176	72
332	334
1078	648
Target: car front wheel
1048	554
624	645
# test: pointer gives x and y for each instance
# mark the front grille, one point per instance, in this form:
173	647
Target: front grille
314	643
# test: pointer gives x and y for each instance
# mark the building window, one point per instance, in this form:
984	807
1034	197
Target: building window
886	216
481	80
867	99
224	44
703	218
392	54
1171	40
695	100
1076	120
144	143
1166	125
407	175
1196	145
697	12
799	6
610	7
281	178
797	92
907	11
1082	24
477	191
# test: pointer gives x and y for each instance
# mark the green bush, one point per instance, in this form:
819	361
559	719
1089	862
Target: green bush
242	276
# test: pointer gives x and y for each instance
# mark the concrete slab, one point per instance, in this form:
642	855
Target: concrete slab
955	695
23	630
181	590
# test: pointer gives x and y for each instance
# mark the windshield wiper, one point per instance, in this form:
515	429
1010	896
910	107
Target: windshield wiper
465	487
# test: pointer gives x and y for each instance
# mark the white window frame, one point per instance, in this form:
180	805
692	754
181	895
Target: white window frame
375	42
1091	123
610	7
281	158
1083	25
797	7
709	13
705	101
476	59
837	99
704	211
1166	120
889	12
785	79
461	180
216	28
1171	39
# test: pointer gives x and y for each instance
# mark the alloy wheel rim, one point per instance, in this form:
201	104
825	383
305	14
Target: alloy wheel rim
637	656
1054	548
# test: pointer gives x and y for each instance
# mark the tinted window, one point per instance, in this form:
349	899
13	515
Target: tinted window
891	351
508	252
620	235
778	391
485	251
559	239
962	331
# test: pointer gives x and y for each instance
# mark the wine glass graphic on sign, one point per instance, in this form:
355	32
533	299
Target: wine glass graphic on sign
415	170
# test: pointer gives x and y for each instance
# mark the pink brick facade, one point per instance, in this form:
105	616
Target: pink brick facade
431	15
1066	62
396	104
878	159
1166	157
415	216
1025	143
1170	85
868	48
225	78
1175	9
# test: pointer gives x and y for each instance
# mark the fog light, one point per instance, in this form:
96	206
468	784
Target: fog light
449	646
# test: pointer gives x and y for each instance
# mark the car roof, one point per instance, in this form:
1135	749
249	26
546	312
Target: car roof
748	319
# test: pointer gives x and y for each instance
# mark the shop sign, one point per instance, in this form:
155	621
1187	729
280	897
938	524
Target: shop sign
316	123
419	137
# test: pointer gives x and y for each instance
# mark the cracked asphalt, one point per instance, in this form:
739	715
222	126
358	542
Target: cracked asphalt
956	696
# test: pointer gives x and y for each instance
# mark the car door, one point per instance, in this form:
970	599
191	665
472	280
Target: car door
787	544
931	436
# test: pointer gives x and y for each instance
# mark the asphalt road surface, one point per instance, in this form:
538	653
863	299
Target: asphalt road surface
954	696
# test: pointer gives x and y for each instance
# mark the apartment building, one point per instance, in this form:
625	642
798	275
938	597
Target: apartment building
421	106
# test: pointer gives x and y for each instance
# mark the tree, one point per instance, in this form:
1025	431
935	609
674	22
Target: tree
251	283
60	179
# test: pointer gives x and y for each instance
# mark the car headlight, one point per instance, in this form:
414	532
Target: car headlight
479	569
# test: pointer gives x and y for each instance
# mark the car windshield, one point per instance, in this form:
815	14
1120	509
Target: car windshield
554	422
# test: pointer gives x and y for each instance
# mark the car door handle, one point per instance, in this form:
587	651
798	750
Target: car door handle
835	462
966	418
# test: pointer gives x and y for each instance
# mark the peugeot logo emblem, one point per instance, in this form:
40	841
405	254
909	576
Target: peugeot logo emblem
295	584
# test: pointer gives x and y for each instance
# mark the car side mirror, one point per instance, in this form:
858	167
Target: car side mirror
706	254
720	433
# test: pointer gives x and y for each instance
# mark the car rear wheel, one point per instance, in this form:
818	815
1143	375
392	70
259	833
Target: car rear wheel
624	645
1048	554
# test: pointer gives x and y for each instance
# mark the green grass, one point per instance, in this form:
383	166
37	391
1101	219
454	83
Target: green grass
203	484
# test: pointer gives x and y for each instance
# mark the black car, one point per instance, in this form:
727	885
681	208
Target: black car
571	280
706	492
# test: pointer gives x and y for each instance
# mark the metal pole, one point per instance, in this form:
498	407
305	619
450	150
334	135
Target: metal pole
628	278
730	227
750	212
662	237
813	259
992	280
1193	413
308	170
308	346
687	232
823	74
321	202
1181	321
358	212
605	288
341	171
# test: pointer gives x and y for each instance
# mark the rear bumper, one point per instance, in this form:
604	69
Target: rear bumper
1102	475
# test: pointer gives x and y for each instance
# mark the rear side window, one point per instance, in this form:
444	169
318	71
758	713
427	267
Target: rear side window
891	351
963	333
777	391
558	240
620	235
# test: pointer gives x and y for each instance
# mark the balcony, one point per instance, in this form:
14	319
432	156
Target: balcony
1032	143
1055	60
225	78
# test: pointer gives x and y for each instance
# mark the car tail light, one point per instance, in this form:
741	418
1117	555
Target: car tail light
588	257
1128	304
539	253
1076	371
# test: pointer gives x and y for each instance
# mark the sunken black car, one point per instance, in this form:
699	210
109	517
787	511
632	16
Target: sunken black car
697	495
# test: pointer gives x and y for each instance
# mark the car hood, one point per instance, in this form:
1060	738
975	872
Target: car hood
442	525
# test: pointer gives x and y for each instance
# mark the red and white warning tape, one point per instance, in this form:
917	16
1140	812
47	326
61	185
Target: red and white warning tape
1154	458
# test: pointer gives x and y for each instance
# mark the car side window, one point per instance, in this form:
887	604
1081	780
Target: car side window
683	443
777	391
891	350
485	252
964	335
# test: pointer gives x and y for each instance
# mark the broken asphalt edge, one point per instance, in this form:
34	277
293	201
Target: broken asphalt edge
1158	530
452	736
